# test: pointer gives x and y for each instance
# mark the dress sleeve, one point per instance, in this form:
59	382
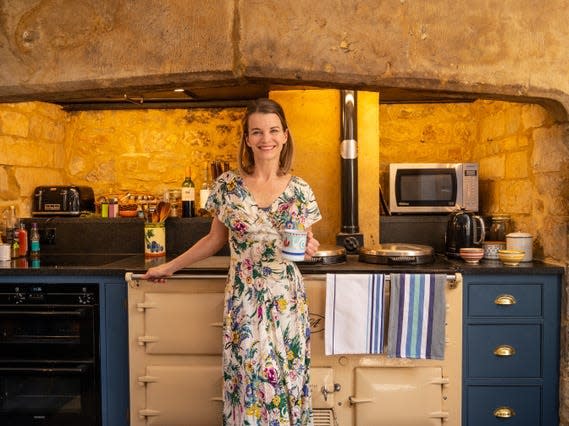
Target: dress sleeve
216	204
312	212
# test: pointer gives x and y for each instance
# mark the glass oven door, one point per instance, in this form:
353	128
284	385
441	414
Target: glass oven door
61	394
47	332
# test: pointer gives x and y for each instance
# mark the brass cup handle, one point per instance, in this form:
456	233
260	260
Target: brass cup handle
504	350
504	412
505	300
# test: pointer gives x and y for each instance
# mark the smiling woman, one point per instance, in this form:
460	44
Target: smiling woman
266	329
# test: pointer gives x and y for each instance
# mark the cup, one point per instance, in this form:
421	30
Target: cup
294	244
154	239
491	249
4	252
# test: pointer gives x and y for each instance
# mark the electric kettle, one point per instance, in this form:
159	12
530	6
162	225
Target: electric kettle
464	229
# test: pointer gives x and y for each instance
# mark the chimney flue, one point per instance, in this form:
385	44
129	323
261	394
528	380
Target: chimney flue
349	236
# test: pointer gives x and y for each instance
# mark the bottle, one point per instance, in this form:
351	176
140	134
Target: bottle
188	194
34	241
205	190
11	221
15	246
23	240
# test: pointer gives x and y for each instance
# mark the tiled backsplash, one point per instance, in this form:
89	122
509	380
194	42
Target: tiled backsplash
117	235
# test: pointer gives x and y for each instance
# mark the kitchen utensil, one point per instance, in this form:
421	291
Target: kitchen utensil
464	229
521	241
163	211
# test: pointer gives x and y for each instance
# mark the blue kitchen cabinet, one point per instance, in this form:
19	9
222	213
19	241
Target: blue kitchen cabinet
511	349
112	329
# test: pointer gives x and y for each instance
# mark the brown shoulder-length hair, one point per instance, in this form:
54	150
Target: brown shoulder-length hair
246	160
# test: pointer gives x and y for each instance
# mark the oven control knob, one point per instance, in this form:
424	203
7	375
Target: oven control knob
19	298
86	299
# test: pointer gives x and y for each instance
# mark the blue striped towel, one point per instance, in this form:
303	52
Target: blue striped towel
417	316
354	314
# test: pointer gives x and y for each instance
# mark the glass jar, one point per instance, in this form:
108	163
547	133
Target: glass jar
499	228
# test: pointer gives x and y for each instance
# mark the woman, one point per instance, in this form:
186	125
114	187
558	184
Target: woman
266	355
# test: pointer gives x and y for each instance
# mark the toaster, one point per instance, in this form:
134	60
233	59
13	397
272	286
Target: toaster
66	200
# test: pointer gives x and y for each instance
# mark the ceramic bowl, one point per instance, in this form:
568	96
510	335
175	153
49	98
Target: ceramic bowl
491	249
471	254
511	257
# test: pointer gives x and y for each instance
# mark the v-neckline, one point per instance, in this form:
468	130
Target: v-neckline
268	207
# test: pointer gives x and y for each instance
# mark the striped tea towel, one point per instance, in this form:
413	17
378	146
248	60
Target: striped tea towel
354	314
417	316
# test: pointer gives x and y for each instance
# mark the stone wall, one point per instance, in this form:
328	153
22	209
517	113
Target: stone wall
520	153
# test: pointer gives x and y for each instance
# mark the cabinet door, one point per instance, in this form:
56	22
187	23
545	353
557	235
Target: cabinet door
505	301
184	395
504	350
504	405
183	323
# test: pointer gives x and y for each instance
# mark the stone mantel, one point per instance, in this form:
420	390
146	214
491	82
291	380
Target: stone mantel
513	50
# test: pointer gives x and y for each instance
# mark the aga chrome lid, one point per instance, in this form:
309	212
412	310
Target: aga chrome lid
328	255
397	253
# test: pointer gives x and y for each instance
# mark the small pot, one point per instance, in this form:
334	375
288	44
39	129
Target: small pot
491	249
521	241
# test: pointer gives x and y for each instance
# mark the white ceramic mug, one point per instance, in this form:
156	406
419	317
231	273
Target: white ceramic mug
294	244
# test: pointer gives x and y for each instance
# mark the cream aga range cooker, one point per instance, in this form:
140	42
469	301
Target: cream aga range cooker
175	362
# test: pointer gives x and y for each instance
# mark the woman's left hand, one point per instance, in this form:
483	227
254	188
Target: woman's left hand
312	245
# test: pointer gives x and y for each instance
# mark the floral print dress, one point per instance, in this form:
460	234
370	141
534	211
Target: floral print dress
266	356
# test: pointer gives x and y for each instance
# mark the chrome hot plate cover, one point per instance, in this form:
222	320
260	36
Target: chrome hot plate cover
397	253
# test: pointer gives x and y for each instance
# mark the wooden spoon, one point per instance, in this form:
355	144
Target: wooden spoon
164	211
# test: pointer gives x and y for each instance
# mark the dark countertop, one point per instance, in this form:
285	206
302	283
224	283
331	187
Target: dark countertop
118	264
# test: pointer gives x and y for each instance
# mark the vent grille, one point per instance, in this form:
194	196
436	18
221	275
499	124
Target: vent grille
323	417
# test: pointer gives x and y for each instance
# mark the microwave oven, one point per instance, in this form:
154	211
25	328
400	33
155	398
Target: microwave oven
432	187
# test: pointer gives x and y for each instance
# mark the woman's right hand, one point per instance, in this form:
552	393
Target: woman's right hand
157	274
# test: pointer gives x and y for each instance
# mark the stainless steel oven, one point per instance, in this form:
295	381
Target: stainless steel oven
49	363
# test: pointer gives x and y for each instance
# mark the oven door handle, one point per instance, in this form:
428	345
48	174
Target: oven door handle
77	370
28	370
77	313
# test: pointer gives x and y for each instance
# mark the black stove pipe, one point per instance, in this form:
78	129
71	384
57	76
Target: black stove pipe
349	236
349	169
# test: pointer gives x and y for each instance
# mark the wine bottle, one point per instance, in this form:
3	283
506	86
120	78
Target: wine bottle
188	195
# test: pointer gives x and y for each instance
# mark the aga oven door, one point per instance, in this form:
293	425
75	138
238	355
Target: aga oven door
55	394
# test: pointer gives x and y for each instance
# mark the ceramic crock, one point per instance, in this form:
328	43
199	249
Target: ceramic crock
521	241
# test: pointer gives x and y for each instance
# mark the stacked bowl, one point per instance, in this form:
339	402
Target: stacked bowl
511	257
471	255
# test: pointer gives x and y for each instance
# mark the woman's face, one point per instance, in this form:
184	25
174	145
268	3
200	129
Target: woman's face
266	136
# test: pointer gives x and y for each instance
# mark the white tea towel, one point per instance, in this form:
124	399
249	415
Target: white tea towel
354	314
